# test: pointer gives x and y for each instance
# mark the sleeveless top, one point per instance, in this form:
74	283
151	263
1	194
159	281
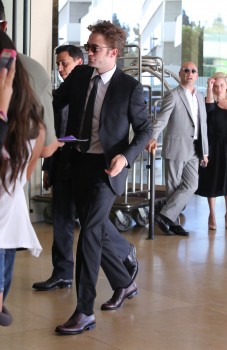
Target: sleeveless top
16	230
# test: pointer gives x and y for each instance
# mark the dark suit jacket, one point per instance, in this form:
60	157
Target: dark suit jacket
123	106
59	163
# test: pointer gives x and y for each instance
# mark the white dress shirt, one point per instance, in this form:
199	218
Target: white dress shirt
193	103
103	84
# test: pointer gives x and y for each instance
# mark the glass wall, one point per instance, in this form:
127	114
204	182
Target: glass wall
205	37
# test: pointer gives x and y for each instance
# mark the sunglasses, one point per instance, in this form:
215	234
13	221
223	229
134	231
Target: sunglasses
94	48
187	70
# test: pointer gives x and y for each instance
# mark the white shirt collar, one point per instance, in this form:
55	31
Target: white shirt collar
105	76
187	91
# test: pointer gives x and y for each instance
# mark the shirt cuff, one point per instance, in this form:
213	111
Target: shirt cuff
126	162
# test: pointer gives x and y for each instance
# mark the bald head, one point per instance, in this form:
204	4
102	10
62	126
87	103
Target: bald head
188	74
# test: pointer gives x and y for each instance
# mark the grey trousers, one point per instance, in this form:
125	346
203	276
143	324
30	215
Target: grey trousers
181	183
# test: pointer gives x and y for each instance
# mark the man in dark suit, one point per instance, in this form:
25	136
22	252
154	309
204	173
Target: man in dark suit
58	174
100	165
185	142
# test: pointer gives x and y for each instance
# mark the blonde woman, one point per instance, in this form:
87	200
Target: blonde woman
213	179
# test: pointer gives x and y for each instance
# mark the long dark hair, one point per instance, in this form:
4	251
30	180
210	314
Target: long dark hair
24	118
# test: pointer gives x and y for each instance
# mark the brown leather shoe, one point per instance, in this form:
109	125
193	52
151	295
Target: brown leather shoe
77	323
119	296
131	262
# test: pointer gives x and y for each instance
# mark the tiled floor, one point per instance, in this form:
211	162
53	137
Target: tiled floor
182	301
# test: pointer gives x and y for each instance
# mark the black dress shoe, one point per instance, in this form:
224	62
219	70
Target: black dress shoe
131	262
52	283
77	323
178	230
163	223
119	296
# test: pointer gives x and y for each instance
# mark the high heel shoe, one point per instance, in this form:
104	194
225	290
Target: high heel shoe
211	224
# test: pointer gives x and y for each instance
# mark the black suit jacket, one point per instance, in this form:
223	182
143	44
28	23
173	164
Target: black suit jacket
59	164
123	106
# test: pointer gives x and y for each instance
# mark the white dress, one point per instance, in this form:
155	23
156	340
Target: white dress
16	230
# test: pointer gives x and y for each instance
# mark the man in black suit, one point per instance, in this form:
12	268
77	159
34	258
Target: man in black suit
100	165
58	174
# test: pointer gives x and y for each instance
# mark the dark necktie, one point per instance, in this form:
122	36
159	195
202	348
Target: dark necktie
88	116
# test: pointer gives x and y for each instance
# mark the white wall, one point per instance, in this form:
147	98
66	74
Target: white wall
41	51
41	32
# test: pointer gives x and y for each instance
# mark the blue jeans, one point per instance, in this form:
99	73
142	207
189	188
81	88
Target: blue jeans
7	257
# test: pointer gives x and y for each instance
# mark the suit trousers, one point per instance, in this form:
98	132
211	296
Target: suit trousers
181	183
64	214
94	198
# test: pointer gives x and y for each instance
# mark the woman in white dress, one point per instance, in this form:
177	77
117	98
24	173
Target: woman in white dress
21	144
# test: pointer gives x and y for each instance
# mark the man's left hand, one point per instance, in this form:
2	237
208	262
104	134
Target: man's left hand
116	166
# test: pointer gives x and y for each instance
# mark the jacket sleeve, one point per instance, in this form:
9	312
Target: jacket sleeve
141	125
164	114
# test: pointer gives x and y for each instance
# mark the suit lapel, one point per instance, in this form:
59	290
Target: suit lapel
113	85
84	84
185	101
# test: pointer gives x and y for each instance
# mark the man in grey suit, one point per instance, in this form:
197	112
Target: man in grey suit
184	146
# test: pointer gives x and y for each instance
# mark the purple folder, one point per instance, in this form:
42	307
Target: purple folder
71	138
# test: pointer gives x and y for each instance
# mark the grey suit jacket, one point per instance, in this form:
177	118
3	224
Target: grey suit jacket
175	114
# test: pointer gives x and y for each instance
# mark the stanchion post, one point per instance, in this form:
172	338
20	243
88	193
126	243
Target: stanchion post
152	195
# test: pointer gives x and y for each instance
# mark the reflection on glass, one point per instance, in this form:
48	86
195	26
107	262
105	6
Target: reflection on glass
205	36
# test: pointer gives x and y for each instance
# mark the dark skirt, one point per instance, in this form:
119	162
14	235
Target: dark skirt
213	178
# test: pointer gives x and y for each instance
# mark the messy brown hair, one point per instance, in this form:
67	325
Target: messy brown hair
115	36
